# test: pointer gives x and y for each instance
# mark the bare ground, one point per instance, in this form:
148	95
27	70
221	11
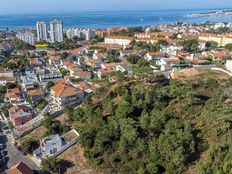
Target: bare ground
75	162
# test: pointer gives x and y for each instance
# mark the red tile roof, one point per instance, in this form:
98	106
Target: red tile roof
63	89
157	54
20	168
35	92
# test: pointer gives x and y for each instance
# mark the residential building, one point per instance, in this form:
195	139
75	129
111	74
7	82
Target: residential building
108	66
19	115
219	54
29	81
221	39
56	31
137	52
99	56
20	168
51	76
4	80
124	41
13	96
153	35
88	87
64	93
103	72
6	73
167	64
72	67
39	70
55	60
154	56
35	94
83	75
41	29
171	50
50	145
94	63
36	62
86	34
27	37
121	67
54	145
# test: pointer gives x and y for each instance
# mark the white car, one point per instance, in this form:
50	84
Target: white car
13	143
2	152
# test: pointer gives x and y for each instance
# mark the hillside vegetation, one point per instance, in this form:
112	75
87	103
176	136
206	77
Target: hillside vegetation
153	128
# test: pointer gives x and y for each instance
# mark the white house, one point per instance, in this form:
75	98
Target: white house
63	93
171	49
123	68
124	41
168	63
54	145
154	56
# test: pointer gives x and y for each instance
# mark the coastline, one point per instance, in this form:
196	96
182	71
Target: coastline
108	19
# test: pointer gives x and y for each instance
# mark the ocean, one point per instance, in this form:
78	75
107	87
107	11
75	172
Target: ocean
106	19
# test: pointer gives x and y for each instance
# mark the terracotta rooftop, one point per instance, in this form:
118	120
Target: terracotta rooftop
74	52
20	168
34	92
105	71
157	54
83	73
63	89
173	60
110	65
54	58
94	61
70	64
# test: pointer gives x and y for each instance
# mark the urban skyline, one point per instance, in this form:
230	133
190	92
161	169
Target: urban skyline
138	88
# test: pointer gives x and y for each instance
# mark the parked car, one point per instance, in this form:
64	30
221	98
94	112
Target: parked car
13	143
2	153
3	159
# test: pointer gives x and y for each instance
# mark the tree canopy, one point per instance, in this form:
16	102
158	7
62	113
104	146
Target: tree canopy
158	128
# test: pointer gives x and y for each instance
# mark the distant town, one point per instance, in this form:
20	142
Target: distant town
47	74
212	13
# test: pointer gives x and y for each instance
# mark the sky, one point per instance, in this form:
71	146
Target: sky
46	6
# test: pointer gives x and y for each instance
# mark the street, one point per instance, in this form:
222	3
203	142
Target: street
13	155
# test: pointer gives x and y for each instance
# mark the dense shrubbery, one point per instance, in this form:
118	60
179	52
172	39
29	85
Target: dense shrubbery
148	128
155	47
53	126
29	145
19	44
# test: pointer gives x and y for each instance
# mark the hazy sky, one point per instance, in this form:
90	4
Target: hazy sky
43	6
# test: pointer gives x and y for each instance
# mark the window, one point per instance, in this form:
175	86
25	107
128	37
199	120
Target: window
54	150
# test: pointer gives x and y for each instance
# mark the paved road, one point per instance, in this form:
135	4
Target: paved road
13	155
16	156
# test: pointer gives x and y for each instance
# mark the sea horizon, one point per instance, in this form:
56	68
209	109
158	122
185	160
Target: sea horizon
106	19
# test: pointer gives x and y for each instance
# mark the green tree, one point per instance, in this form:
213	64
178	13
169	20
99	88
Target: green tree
190	45
50	164
211	44
133	58
228	46
49	85
29	145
